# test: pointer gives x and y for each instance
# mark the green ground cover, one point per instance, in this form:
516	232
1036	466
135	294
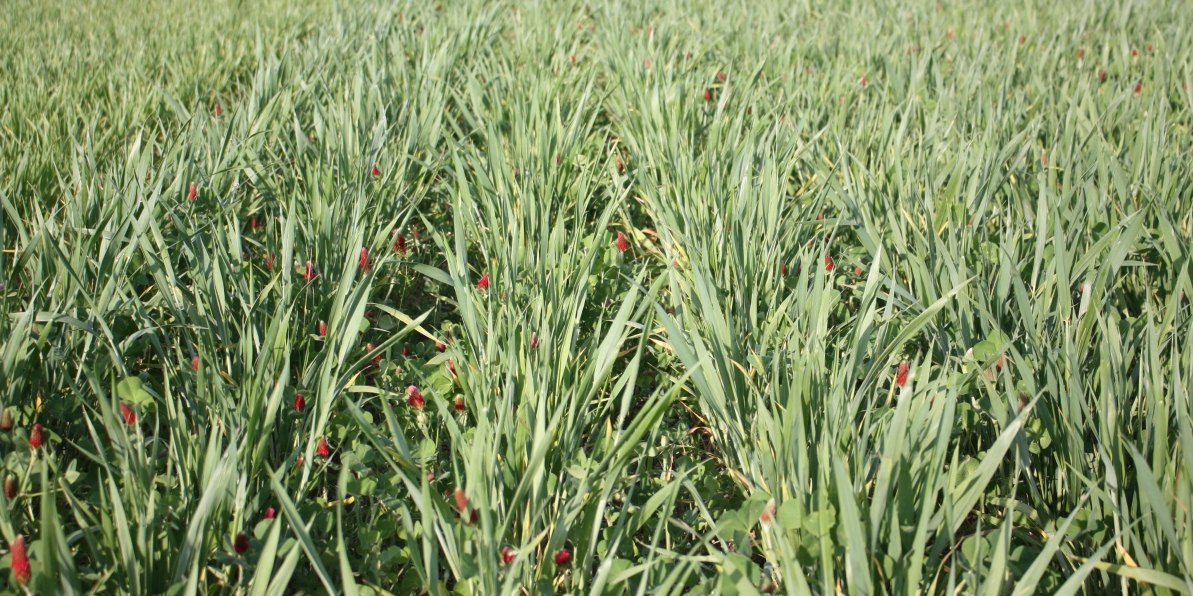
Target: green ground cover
588	297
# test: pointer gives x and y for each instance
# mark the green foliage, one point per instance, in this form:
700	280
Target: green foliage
201	207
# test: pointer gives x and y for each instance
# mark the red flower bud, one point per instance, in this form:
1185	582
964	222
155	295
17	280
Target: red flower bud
1139	87
1080	53
783	268
901	376
270	513
1102	76
414	398
562	557
20	561
484	282
10	487
376	172
322	329
451	367
442	347
376	359
461	500
1022	40
459	403
720	76
190	193
534	340
195	363
323	450
269	262
405	351
300	402
127	413
364	258
310	272
400	245
622	244
218	111
707	94
1134	52
508	555
241	544
828	263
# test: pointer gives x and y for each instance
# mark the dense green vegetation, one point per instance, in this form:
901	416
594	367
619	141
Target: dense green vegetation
609	298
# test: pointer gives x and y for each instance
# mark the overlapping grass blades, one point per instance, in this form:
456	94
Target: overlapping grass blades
713	409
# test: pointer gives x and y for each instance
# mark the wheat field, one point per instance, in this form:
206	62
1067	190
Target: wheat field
588	297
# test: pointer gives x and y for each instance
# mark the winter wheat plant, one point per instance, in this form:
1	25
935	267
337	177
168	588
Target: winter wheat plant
668	297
